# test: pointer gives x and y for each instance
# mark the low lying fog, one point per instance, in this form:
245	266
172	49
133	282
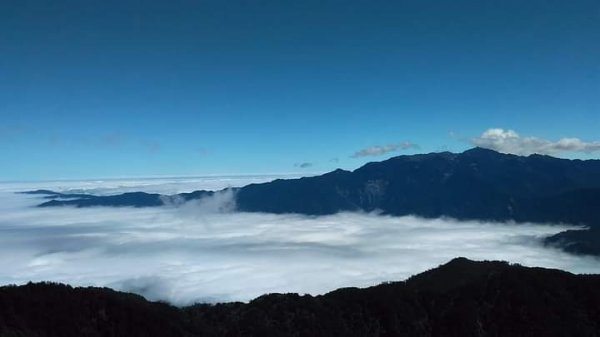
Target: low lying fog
190	253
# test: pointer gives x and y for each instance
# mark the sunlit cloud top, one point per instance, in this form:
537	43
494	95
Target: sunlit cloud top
509	141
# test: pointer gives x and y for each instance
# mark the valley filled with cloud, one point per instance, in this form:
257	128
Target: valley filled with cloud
205	251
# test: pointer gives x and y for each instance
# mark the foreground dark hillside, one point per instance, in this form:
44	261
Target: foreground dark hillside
461	298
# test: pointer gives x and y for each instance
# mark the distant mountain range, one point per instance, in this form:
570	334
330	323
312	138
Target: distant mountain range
478	184
460	298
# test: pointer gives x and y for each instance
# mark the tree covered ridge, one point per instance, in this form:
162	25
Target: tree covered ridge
460	298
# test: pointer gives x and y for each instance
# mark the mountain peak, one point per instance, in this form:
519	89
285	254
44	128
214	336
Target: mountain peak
481	151
455	273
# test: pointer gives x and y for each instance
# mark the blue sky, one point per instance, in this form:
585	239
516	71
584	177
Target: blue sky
142	88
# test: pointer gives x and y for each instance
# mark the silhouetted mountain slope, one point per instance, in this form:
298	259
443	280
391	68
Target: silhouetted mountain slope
129	199
476	184
47	309
460	298
578	241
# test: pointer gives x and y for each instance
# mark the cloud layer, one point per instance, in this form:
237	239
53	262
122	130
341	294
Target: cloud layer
378	150
508	141
202	251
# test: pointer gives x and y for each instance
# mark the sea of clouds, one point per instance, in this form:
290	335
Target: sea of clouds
204	251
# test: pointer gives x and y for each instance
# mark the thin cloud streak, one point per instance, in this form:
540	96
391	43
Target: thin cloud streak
303	165
509	141
379	150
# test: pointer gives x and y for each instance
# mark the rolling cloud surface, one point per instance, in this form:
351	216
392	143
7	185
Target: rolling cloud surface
205	251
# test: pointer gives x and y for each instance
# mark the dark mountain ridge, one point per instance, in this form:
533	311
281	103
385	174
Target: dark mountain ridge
477	184
460	298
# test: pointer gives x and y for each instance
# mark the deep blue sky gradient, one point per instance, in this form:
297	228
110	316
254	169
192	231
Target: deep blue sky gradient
136	88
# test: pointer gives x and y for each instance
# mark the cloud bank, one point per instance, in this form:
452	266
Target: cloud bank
378	150
205	251
508	141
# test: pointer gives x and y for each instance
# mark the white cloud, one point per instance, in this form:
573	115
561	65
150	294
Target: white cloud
201	252
508	141
379	150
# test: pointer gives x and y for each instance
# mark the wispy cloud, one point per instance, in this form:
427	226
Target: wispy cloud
303	165
509	141
203	151
378	150
10	132
152	147
113	139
